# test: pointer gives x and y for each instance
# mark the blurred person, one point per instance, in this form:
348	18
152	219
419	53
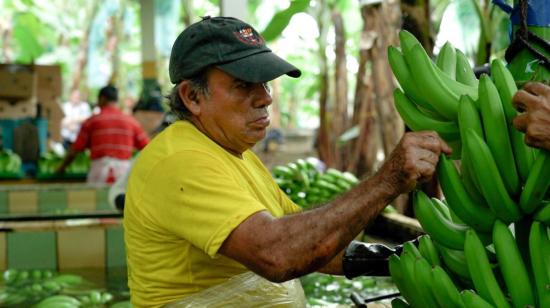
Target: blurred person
111	136
76	111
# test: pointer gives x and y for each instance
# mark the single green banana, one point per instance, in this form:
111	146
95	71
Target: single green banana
444	289
464	72
455	261
496	134
506	86
543	214
540	263
477	216
472	300
424	280
488	177
481	272
428	250
446	60
398	277
512	266
442	230
469	118
537	183
406	81
418	121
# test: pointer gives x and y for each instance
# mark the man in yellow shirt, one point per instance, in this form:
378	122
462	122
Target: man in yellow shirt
201	209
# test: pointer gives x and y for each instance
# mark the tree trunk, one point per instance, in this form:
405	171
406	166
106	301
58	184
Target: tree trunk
339	124
275	106
416	19
324	148
83	50
187	12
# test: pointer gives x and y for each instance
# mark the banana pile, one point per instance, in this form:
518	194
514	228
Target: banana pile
307	185
487	242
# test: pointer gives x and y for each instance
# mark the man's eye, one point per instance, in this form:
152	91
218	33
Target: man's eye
244	85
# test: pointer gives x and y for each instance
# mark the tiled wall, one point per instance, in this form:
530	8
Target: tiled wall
97	246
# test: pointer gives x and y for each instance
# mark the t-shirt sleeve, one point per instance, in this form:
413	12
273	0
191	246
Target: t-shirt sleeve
200	200
83	138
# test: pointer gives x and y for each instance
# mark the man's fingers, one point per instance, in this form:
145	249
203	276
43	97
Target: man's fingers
537	88
425	171
520	122
434	143
523	100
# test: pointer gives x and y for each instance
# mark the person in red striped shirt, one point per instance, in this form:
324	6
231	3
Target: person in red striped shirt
111	137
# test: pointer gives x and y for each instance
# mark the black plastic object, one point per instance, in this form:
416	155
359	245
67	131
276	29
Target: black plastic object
369	259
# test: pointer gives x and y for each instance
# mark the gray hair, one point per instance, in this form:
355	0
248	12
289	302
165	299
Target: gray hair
199	84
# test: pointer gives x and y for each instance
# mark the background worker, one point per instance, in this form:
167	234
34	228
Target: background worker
111	136
76	111
202	211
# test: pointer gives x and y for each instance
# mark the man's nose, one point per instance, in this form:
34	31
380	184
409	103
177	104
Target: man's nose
262	96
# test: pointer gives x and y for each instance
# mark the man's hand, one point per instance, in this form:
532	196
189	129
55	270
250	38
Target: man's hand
413	161
534	101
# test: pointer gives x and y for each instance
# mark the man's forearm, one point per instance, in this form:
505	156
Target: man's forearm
294	245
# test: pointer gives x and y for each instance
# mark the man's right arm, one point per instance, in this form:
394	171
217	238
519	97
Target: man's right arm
284	248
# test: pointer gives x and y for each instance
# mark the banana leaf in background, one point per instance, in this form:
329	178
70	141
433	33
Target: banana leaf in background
26	31
476	30
281	19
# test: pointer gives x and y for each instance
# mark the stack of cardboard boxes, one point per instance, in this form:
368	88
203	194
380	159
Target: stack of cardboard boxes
30	109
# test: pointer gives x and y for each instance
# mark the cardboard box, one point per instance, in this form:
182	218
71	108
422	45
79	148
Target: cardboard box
17	109
17	81
49	84
51	110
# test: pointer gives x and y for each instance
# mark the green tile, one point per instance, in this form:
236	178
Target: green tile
29	250
4	207
101	199
116	255
52	201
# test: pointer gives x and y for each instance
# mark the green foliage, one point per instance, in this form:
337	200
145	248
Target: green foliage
26	31
280	20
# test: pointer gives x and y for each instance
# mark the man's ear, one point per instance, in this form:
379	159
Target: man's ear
189	97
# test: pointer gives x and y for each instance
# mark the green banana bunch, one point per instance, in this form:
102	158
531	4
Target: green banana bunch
434	85
442	230
478	216
506	86
496	134
455	261
406	81
512	266
418	120
425	282
491	184
537	183
307	186
481	272
539	250
398	303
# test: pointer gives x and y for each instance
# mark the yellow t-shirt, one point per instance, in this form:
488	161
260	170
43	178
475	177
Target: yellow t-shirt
184	197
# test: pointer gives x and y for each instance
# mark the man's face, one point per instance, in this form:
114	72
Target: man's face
234	114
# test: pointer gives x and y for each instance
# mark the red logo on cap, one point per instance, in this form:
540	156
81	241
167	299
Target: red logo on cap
249	37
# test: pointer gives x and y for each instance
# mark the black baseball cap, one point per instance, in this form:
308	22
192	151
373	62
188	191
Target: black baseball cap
229	44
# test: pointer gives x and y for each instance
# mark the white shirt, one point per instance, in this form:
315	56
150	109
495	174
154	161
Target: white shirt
75	114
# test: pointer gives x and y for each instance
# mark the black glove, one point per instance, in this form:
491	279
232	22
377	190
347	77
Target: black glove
366	259
119	202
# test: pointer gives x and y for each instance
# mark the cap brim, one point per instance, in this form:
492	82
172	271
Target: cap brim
260	67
